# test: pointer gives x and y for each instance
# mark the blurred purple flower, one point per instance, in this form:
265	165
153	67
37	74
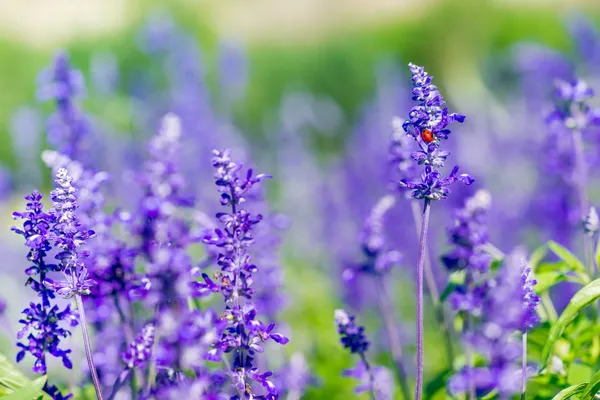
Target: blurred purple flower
139	351
68	128
381	383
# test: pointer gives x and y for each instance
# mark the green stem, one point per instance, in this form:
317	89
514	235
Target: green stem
549	307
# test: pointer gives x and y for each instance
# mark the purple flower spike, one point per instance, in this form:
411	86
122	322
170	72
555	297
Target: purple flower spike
44	325
244	334
68	235
68	127
509	306
572	107
352	335
427	124
376	380
469	233
140	350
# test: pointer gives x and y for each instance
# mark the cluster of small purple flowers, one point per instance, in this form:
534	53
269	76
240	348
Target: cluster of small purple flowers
377	259
245	334
58	229
377	380
492	309
428	126
68	127
469	236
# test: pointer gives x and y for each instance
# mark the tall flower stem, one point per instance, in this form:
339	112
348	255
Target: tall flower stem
432	287
469	360
581	182
524	367
363	357
88	347
420	272
118	383
387	314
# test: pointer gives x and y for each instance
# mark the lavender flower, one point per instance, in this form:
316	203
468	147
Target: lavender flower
43	320
382	384
68	127
573	113
591	222
140	350
378	260
206	385
162	233
245	334
67	235
428	124
469	234
296	376
352	337
111	267
572	107
510	307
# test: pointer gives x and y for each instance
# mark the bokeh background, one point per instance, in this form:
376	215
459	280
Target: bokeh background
306	90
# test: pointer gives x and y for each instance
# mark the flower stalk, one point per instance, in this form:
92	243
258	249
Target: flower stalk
432	288
420	273
88	347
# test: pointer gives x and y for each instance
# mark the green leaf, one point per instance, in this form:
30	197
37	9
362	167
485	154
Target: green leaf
32	391
585	296
447	291
592	388
12	380
569	392
546	280
10	377
564	254
437	383
454	280
537	256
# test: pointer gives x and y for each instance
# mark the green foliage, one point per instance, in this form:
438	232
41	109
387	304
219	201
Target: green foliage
15	386
592	387
580	300
570	392
546	280
29	392
455	279
565	255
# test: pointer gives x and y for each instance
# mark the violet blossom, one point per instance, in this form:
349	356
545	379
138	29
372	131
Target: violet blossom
427	124
68	128
244	334
44	324
510	307
376	380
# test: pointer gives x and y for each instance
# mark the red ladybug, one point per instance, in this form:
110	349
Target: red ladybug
427	136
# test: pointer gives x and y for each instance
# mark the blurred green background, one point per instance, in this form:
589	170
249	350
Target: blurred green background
326	47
